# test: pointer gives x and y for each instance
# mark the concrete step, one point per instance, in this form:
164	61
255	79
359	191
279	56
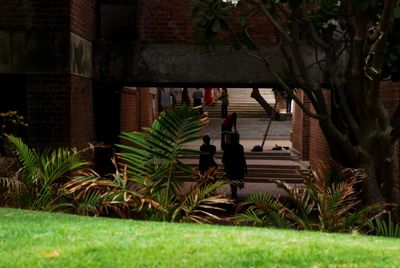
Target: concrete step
258	170
260	157
244	109
256	179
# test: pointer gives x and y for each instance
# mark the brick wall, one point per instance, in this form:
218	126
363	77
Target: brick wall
318	148
82	114
129	110
301	128
48	109
390	96
136	109
82	23
166	22
169	22
146	107
320	154
39	15
83	18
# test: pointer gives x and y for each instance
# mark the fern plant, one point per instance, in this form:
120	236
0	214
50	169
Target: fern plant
41	175
384	227
152	158
323	205
95	195
10	186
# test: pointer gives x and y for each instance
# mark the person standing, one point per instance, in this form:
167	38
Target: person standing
185	97
197	96
172	97
165	99
206	160
235	165
208	95
226	128
288	103
224	102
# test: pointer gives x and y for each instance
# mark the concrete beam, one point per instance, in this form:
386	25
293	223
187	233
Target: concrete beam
33	52
196	64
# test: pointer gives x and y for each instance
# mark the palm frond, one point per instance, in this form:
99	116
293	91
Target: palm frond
201	203
58	163
154	154
27	157
266	210
382	227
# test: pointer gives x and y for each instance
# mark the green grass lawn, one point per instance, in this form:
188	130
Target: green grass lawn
37	239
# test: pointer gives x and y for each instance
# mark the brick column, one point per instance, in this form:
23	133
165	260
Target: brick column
301	128
320	154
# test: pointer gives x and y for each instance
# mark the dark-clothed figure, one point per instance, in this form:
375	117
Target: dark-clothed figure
206	160
197	96
224	102
185	97
235	165
227	126
288	103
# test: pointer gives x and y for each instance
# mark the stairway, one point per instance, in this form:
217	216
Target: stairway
241	102
244	110
261	166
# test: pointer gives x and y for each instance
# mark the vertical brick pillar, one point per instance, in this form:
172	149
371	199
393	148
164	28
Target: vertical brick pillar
147	109
301	128
130	117
320	154
82	112
48	110
82	31
390	96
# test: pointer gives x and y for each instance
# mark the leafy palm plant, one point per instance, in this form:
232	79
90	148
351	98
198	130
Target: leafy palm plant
152	158
384	227
322	205
10	186
41	175
95	195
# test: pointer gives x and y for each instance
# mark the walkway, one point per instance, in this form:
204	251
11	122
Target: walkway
251	133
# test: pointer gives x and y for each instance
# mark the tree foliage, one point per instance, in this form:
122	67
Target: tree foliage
355	46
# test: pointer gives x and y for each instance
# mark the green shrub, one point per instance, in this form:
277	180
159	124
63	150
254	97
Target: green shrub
145	185
384	226
37	184
323	205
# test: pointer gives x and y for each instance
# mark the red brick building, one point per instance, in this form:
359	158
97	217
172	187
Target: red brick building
82	70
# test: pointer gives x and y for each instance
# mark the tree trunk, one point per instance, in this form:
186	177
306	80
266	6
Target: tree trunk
371	191
255	94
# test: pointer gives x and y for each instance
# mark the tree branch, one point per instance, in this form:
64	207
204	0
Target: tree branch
314	33
255	94
376	54
276	24
354	72
395	122
349	115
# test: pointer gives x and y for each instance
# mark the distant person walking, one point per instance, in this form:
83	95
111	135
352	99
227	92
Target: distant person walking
165	99
288	103
197	96
206	160
227	126
235	165
185	97
224	102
